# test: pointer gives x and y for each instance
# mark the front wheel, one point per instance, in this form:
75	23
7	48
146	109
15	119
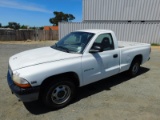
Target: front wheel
134	68
59	94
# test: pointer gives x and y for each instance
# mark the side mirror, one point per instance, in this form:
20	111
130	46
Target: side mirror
95	49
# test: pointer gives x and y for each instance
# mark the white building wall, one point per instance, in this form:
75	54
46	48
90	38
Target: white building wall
137	32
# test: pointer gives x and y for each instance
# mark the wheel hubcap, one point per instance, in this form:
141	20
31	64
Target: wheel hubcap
61	94
135	68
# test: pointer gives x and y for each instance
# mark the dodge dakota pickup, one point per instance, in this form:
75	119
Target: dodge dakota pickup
53	74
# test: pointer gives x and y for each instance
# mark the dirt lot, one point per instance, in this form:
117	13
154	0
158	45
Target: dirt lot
115	98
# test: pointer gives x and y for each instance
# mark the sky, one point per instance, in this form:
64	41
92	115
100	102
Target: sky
37	12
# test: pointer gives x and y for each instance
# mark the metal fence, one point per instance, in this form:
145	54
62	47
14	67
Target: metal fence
21	35
137	32
126	10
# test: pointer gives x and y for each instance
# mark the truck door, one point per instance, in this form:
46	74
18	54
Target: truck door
100	65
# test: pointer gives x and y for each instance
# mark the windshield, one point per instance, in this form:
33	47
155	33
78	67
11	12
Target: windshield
74	42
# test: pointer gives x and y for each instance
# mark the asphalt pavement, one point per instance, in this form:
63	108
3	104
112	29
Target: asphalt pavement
115	98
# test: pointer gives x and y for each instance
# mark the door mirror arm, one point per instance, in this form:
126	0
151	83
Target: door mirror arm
95	49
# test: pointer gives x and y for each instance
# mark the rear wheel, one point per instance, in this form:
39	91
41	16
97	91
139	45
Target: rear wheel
134	68
59	94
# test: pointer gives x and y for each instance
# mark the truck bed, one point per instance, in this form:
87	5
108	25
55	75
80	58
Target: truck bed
122	44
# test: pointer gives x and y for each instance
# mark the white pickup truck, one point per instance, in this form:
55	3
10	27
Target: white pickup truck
80	58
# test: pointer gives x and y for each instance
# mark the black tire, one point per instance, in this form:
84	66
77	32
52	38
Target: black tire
58	94
134	68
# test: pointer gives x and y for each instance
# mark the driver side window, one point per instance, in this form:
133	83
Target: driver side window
105	41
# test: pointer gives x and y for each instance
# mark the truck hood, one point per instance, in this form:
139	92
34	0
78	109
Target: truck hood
38	56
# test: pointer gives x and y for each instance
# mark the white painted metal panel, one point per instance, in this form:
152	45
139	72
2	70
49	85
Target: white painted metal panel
137	32
138	10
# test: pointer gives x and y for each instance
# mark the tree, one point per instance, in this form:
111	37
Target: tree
41	28
14	25
24	27
33	28
60	17
0	25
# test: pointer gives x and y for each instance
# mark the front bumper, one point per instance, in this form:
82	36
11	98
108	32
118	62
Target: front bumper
24	94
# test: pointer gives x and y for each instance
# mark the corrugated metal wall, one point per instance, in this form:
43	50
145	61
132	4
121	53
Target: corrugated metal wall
135	10
115	14
137	32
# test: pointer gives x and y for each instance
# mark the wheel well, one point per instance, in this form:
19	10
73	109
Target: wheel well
73	75
47	81
139	58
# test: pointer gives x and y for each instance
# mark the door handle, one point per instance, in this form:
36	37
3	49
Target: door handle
115	55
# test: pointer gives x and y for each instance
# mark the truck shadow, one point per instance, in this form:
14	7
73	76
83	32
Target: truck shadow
38	107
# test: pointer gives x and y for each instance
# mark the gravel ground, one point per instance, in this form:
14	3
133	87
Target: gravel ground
115	98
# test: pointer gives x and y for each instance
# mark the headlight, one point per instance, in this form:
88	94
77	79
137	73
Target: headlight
20	81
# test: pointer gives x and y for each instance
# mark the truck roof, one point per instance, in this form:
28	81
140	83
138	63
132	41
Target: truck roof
94	30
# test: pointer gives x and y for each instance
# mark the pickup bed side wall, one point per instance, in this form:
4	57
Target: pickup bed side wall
129	53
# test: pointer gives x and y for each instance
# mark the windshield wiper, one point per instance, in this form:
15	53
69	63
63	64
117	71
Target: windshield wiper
55	44
61	47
